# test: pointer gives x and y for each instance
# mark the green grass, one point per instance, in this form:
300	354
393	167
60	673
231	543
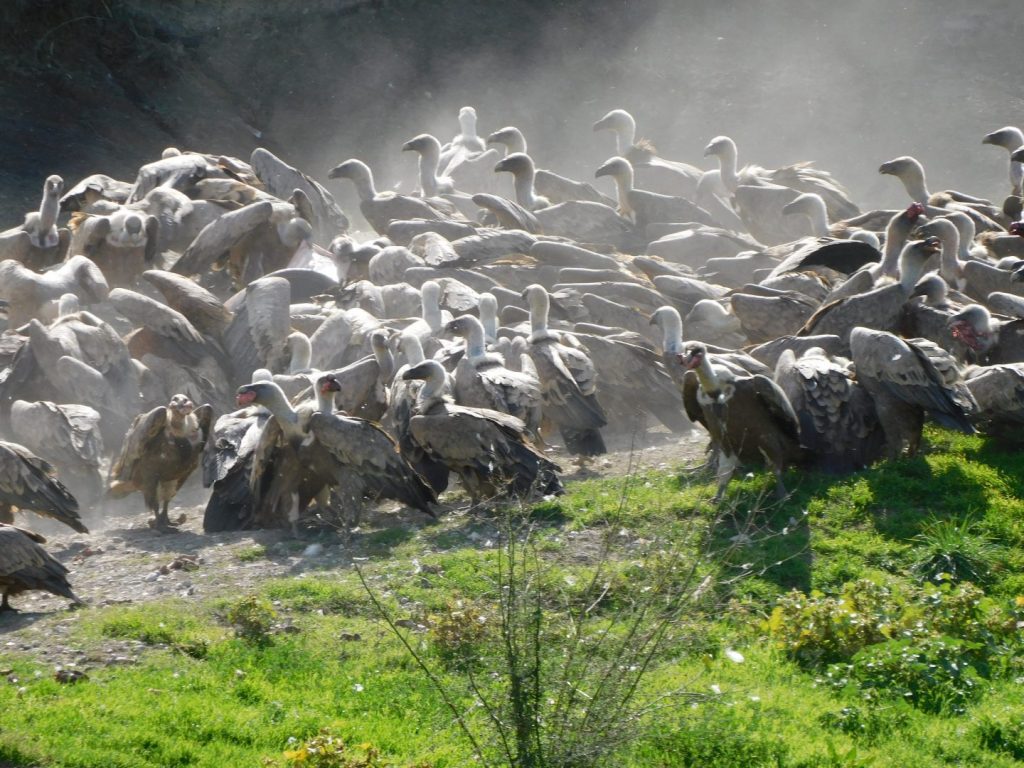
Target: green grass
200	696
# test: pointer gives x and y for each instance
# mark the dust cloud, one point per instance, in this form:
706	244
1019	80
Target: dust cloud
847	85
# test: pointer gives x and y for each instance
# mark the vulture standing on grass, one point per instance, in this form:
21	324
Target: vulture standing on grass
160	451
907	380
25	565
568	382
750	420
487	449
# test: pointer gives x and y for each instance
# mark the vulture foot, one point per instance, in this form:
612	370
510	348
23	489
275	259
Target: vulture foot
6	607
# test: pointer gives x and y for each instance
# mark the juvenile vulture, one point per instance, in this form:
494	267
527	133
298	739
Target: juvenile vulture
25	565
160	451
30	483
486	449
750	420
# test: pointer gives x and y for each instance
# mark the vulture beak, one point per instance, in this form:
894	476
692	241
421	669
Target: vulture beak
410	145
610	168
340	171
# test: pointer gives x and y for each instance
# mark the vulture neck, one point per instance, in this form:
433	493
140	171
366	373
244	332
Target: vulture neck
525	194
413	350
467	124
432	391
281	409
671	331
324	400
711	381
516	142
624	187
430	155
180	424
49	209
489	316
950	266
363	180
385	360
914	182
817	214
895	238
67	305
625	135
476	350
302	353
430	296
727	159
540	305
911	269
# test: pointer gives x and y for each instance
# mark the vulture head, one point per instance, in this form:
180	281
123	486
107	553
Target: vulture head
429	371
351	169
720	146
692	356
933	288
905	168
1017	228
618	120
258	393
467	120
1017	155
511	137
328	383
973	326
518	164
53	186
425	144
616	167
181	406
1009	138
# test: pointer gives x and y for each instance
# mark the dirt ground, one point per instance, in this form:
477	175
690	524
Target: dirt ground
124	561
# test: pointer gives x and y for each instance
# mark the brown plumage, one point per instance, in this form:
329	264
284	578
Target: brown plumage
837	418
25	565
29	482
486	449
160	451
908	379
749	418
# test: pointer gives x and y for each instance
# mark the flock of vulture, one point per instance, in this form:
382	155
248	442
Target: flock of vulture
500	310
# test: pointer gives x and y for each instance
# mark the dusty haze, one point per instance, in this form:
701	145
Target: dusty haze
103	87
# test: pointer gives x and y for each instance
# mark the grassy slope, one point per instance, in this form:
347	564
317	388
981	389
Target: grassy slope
201	697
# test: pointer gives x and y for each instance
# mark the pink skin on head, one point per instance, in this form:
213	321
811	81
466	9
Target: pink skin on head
914	210
1017	228
245	398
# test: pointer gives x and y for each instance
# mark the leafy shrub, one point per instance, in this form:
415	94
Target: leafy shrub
252	619
816	630
932	673
948	549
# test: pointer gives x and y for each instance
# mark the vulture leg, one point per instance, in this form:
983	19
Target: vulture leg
6	515
726	467
5	606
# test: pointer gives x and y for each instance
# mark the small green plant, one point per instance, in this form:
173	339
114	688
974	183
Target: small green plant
327	751
457	633
934	674
950	550
252	618
252	554
816	629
